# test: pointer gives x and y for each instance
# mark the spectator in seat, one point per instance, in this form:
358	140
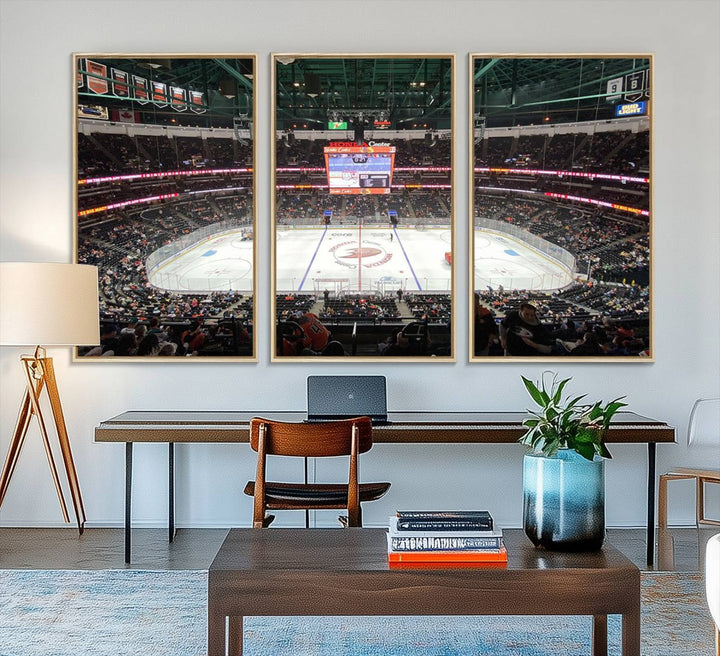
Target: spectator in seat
150	345
193	338
108	338
485	330
521	333
317	336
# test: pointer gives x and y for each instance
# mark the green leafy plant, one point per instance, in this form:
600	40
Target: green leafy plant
568	424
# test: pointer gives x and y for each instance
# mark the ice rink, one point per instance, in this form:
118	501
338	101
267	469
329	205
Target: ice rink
363	259
219	263
503	260
349	258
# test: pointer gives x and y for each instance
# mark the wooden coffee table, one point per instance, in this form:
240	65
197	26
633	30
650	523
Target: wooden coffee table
275	572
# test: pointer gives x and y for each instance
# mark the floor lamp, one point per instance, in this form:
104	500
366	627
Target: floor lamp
46	304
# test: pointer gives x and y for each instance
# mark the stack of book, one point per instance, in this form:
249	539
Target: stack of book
445	538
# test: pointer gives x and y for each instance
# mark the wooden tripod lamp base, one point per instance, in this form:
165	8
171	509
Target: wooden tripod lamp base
40	375
54	304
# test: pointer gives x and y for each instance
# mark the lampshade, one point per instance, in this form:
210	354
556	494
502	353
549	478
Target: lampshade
48	304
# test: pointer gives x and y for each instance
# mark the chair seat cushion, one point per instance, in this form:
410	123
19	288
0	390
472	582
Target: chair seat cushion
316	494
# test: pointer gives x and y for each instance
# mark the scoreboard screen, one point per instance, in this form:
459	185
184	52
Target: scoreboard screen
359	169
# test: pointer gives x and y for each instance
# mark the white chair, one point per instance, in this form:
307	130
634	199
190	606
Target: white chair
712	584
703	430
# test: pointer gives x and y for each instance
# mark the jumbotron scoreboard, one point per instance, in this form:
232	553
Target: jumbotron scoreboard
353	169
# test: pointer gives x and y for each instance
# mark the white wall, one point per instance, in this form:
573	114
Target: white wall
36	184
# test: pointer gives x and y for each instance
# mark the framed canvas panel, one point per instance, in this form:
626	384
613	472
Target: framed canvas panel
165	203
362	210
561	229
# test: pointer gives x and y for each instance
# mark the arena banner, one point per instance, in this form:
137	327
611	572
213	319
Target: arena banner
178	99
635	86
614	89
174	193
120	83
141	91
197	101
561	180
96	77
363	211
159	93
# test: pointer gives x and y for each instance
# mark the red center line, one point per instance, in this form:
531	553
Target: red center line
359	255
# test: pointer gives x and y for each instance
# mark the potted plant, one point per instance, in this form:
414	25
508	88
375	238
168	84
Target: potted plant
564	468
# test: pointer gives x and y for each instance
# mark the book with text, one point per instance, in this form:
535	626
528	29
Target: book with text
443	542
439	564
482	556
442	520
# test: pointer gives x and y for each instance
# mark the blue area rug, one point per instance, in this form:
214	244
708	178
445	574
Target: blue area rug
135	612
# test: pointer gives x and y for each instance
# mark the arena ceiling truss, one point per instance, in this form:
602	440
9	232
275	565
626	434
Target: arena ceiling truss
314	90
518	91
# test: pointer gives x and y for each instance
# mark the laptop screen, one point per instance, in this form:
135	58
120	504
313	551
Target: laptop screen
341	397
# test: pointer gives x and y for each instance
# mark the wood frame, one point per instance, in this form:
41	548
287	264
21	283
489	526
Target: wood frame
619	347
215	101
278	344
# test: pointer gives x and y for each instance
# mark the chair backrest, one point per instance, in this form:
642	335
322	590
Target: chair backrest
312	439
704	423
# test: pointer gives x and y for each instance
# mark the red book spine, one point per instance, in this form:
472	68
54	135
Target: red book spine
484	556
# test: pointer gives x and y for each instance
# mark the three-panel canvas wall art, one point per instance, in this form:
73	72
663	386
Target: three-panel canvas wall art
365	157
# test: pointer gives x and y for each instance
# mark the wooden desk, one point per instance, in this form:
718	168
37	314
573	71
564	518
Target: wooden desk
345	572
207	426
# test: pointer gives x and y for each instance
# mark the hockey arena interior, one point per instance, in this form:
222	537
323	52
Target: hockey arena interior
562	166
165	158
363	218
363	214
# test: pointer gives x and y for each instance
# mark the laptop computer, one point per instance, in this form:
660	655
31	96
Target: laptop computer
330	398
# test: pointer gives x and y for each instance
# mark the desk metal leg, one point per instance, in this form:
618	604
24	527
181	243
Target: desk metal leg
307	512
171	491
651	505
128	497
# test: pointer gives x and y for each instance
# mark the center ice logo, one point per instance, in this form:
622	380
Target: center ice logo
360	252
370	254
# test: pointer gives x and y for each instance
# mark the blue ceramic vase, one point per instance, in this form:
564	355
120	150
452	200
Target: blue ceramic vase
564	501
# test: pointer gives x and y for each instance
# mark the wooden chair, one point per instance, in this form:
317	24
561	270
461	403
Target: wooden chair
703	429
349	437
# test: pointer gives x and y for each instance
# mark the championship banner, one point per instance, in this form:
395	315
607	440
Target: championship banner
634	86
140	90
80	80
197	102
159	94
178	99
97	84
120	83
